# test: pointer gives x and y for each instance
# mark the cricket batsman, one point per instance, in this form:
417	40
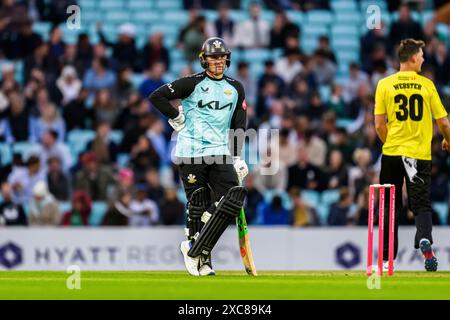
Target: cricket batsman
211	104
409	102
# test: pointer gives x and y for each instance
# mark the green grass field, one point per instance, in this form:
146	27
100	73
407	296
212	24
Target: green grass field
226	285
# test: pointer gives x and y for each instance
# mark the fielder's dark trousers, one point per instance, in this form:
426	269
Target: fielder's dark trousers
217	173
393	172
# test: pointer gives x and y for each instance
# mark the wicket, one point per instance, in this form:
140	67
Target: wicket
381	188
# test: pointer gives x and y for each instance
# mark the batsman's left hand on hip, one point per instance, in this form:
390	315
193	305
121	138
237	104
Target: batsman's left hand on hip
178	123
241	168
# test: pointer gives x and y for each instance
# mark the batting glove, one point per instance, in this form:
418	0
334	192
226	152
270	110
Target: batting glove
178	123
241	168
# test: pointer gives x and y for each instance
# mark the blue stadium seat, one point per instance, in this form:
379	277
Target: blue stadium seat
345	31
99	209
111	4
116	136
311	197
257	55
285	198
168	4
364	4
348	18
86	5
26	149
321	17
238	15
78	140
268	15
309	44
137	79
118	16
414	15
323	210
181	195
442	210
347	56
426	16
43	29
145	17
443	31
314	30
64	206
343	5
5	154
296	16
330	196
139	5
177	17
325	92
91	17
123	159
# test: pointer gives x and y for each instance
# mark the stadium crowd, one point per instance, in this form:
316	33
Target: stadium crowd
328	151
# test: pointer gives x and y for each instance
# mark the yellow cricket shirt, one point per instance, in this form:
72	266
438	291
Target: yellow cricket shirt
410	101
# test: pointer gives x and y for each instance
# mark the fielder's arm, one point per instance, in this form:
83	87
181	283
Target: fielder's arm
380	127
444	127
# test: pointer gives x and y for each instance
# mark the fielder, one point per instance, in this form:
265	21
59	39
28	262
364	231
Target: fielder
410	101
211	104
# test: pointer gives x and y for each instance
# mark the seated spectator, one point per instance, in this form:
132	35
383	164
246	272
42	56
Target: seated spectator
44	210
80	212
370	40
58	182
339	210
298	96
271	173
123	88
94	178
405	27
154	51
40	59
337	170
104	109
50	119
336	102
155	134
75	113
282	28
323	68
224	26
154	80
254	32
8	82
18	122
253	200
269	75
316	108
124	50
145	212
360	175
139	122
324	46
172	210
119	212
99	76
193	39
11	214
440	60
51	147
56	44
360	218
25	42
315	147
84	53
23	180
246	79
274	214
69	85
361	103
288	147
155	191
304	175
289	66
104	148
143	157
302	213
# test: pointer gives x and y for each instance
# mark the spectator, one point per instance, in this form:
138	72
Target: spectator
193	15
40	60
337	170
336	102
138	126
315	109
123	88
172	210
315	147
303	214
373	38
124	50
224	26
75	113
11	214
12	15
253	200
288	147
254	32
23	180
84	53
358	106
270	75
119	213
289	66
282	28
440	61
304	175
323	68
339	139
104	148
154	80
104	108
44	210
94	178
58	182
80	212
50	119
274	214
8	82
25	42
360	175
405	27
155	191
50	147
267	97
69	85
297	97
361	215
99	76
356	79
145	212
324	47
155	134
18	122
339	210
154	51
194	38
143	157
271	173
56	45
57	10
246	78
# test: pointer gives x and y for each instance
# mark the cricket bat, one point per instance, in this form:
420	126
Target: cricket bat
244	244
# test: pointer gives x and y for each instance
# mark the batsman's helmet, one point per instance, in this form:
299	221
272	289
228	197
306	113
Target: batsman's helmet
214	46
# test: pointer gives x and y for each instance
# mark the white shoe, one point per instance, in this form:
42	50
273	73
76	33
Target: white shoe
190	263
386	266
206	270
